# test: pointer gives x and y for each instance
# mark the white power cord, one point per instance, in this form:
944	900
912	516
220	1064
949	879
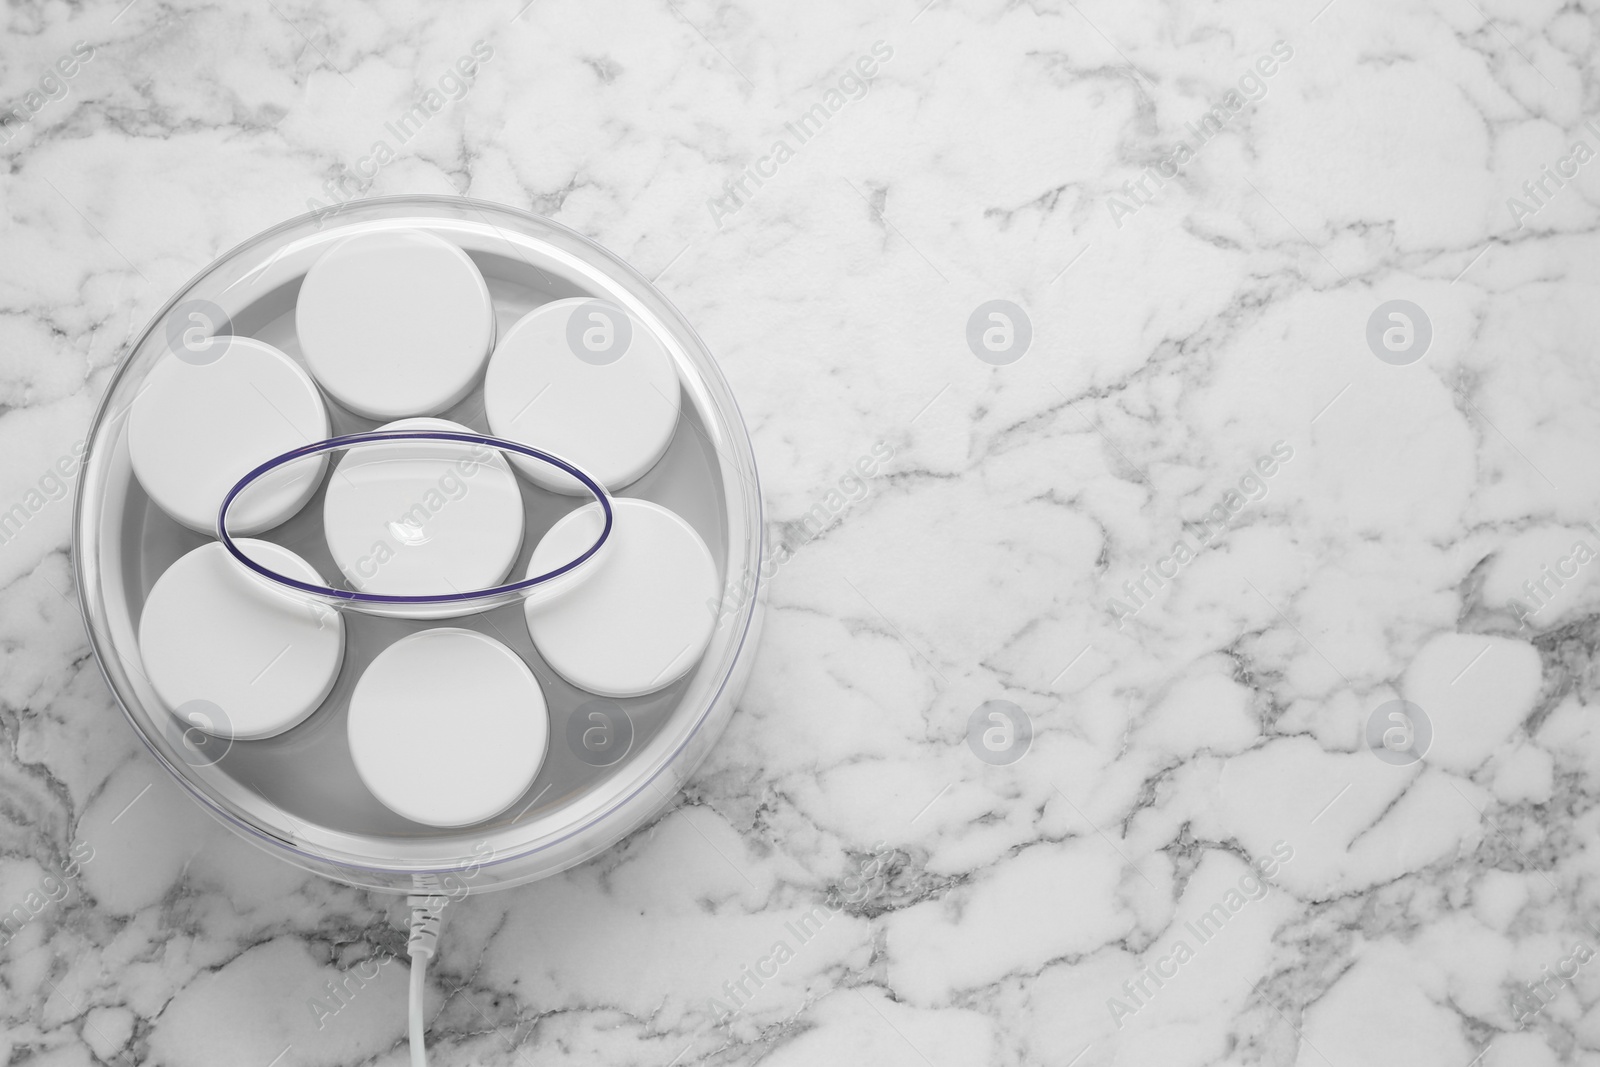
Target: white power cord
427	911
419	970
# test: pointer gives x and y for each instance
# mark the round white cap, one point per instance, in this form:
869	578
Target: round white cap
395	323
448	727
645	615
583	380
423	517
260	658
202	422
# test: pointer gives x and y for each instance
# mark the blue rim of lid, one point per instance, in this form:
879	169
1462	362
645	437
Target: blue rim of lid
601	496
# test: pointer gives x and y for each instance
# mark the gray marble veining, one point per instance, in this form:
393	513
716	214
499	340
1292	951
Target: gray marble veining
1286	589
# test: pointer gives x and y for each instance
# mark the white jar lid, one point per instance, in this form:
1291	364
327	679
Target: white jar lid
645	615
448	727
419	517
583	380
260	658
203	421
395	323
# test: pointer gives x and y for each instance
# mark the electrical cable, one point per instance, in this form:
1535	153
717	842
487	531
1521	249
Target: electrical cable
427	912
419	1051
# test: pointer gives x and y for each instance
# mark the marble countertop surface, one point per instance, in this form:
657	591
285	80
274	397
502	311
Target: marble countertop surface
1203	679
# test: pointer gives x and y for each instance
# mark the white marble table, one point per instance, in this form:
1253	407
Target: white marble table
1199	859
